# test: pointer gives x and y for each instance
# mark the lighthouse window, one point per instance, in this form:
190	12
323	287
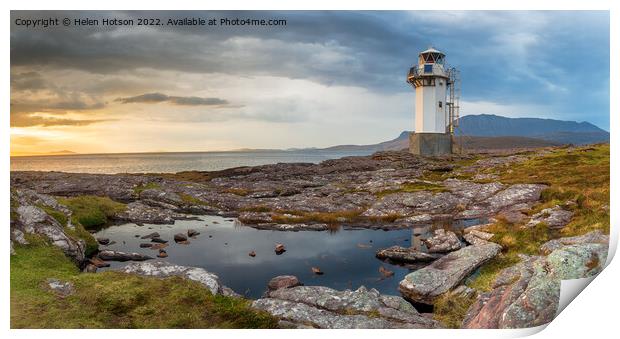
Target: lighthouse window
428	68
440	104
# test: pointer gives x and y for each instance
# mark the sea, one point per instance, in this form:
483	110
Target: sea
169	162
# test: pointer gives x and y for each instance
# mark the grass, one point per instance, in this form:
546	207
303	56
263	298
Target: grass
90	211
410	187
148	186
580	176
450	309
115	300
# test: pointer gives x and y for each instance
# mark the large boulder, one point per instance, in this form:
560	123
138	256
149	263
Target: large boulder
323	307
527	294
427	284
162	269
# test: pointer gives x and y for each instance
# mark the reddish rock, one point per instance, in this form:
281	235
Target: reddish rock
283	281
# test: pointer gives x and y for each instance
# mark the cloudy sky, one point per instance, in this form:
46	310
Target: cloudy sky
325	78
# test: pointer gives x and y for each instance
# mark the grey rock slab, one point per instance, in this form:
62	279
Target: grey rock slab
162	269
406	255
323	307
430	282
596	237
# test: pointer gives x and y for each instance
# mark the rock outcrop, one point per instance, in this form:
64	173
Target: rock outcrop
31	218
428	283
366	191
527	294
323	307
162	269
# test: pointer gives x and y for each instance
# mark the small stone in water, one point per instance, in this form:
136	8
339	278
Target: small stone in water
146	245
385	272
280	249
162	254
180	237
252	254
317	271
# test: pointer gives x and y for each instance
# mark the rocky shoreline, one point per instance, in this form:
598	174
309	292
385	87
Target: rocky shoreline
388	190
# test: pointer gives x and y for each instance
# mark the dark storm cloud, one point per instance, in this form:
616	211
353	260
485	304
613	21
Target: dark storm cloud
152	98
28	81
506	57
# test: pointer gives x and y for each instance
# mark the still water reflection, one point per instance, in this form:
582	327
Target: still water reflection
347	257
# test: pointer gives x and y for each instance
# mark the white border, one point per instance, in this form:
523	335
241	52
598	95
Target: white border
592	314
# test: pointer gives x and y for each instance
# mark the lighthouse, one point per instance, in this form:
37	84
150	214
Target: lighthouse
437	91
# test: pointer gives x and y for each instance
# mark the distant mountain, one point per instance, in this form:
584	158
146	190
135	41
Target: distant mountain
487	132
557	131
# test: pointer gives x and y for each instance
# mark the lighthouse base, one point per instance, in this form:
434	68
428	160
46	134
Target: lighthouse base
430	144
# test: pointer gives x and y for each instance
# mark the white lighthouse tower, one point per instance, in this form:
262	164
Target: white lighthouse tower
436	104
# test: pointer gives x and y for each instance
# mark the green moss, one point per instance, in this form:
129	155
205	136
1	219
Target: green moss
91	211
92	246
192	200
148	186
116	300
450	309
58	215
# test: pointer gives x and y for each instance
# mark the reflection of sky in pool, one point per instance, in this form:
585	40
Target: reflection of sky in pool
345	256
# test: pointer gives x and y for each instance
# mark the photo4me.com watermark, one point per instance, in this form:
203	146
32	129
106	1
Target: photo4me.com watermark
50	22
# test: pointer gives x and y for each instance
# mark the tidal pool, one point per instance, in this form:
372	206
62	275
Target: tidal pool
347	256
